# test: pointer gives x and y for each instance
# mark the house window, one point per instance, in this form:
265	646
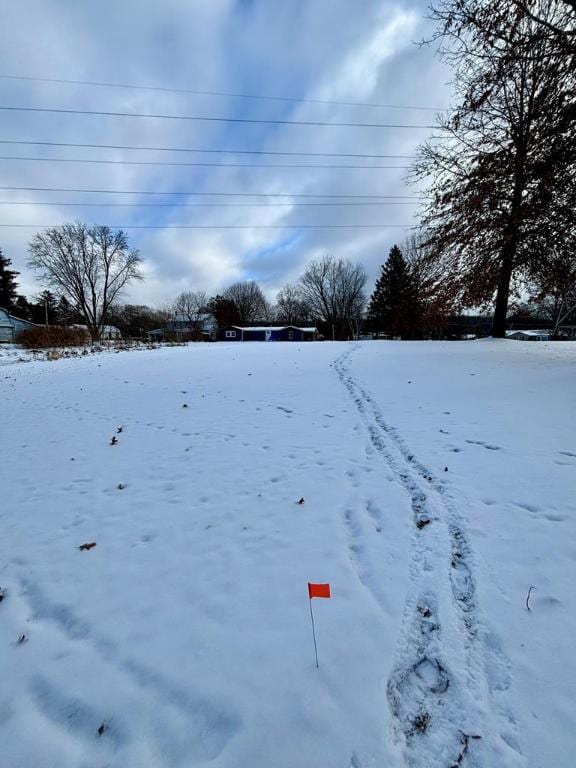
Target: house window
230	334
290	335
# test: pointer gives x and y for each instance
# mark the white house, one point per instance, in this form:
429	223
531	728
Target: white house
529	335
10	326
109	332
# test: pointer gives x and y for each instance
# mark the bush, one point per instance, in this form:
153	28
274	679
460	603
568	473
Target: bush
51	336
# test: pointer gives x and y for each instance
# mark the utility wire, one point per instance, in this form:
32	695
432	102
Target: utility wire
244	120
207	151
196	164
201	205
210	194
229	226
226	94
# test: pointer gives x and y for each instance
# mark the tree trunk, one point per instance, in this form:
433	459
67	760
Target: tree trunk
509	251
503	295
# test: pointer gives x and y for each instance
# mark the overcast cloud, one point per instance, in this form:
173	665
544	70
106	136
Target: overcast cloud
343	50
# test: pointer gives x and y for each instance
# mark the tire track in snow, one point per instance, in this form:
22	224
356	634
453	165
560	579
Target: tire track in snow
442	717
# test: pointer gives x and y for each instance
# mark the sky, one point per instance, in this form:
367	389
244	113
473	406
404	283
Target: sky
309	50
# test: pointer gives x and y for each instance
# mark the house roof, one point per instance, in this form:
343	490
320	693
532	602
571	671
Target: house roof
529	332
10	316
271	328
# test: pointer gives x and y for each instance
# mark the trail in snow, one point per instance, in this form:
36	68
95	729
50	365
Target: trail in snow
444	685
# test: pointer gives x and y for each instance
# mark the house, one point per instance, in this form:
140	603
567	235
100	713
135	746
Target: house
529	335
11	326
267	333
109	332
180	328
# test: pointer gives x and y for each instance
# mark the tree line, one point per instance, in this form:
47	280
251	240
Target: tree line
410	300
497	232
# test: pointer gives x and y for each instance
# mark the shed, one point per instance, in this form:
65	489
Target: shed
11	326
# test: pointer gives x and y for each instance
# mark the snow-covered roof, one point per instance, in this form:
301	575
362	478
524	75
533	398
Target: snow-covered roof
271	328
529	332
105	328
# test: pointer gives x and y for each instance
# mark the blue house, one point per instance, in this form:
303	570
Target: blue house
10	326
267	333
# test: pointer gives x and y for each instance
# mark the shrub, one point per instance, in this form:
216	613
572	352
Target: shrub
51	336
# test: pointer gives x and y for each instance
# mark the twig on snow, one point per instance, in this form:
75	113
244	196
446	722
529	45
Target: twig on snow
528	597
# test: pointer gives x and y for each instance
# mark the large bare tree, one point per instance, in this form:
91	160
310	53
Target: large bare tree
249	301
290	305
503	161
89	265
190	305
333	289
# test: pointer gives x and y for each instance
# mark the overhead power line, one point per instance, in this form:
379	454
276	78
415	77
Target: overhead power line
203	118
98	161
211	194
364	156
228	226
225	94
67	203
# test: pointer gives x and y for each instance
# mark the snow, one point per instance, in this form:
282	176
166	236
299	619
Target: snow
185	632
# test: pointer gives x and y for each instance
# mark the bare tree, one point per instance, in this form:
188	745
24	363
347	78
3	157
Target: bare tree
553	287
290	305
333	289
90	266
249	301
191	305
503	161
561	28
437	297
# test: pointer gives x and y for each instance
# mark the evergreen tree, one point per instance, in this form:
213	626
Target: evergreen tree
8	284
394	307
45	308
65	312
22	308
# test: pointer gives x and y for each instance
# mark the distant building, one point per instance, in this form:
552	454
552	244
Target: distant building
11	326
267	333
529	335
109	332
181	328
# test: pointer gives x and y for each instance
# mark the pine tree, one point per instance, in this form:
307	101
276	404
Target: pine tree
65	312
393	307
23	309
8	284
45	308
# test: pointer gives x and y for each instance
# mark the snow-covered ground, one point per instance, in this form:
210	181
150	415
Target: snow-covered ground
438	483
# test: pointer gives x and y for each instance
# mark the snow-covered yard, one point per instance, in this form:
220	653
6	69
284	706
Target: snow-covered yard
439	485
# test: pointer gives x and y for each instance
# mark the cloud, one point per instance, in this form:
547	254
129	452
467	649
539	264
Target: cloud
324	50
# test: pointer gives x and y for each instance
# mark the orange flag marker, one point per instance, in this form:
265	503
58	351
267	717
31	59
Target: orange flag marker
316	590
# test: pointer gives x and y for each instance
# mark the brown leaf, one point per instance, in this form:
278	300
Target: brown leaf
87	545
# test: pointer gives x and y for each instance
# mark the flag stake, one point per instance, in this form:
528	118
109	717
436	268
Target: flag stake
313	631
